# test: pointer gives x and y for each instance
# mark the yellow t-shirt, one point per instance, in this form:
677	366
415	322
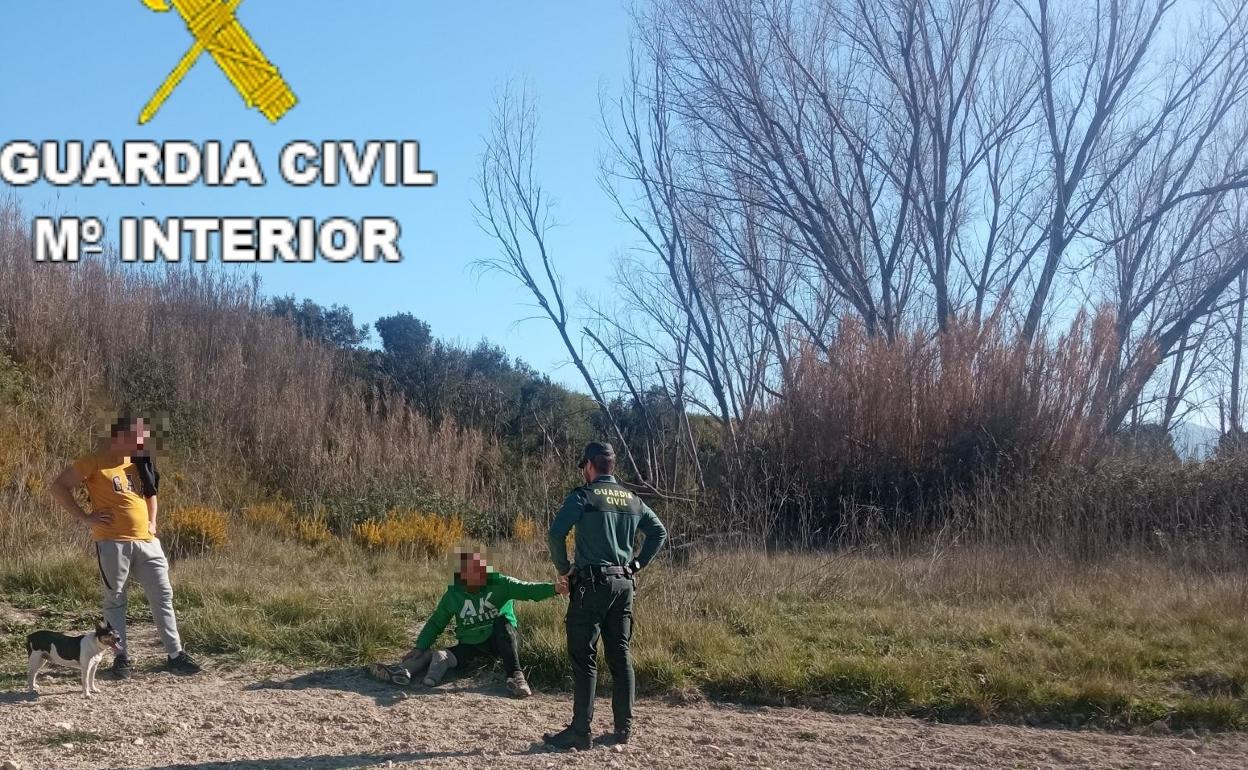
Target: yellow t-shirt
115	487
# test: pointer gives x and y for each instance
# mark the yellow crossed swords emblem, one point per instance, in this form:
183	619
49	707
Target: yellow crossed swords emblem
216	30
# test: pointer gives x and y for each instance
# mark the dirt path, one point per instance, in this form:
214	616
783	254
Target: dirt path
340	720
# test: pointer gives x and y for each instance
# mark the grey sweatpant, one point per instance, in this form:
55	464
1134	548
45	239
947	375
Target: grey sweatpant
146	560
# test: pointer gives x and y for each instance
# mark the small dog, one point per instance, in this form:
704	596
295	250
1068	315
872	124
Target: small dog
81	652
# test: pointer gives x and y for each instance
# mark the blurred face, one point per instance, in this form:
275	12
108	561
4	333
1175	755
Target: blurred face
473	570
131	441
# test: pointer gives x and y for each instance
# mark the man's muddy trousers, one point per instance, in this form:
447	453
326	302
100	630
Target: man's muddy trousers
601	608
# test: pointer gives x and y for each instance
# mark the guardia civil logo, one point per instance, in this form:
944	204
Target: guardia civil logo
217	31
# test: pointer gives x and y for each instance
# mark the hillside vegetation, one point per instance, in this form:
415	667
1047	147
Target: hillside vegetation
254	405
313	486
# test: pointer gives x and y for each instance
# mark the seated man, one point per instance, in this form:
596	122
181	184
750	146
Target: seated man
480	600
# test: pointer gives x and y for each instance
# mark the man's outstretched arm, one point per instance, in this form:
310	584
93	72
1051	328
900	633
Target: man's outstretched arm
529	592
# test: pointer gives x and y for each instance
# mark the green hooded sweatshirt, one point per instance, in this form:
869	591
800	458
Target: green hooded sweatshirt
475	611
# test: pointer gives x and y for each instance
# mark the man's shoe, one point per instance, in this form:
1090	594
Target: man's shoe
617	738
518	686
393	674
122	668
568	738
183	663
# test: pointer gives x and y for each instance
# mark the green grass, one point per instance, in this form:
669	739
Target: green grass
967	636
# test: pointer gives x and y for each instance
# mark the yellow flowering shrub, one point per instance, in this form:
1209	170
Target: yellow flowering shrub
193	531
275	517
278	518
371	534
313	530
524	529
412	532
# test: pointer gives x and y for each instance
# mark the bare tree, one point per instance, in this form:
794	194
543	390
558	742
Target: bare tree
1112	98
513	210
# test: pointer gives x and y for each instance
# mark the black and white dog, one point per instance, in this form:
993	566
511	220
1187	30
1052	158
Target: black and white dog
81	652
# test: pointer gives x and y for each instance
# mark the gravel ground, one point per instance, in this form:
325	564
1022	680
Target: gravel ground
254	719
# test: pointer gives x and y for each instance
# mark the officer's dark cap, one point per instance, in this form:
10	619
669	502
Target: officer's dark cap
595	449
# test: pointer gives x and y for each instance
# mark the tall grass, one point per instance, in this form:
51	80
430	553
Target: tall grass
975	437
971	398
968	634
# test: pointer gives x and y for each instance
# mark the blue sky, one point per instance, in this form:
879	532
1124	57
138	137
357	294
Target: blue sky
80	69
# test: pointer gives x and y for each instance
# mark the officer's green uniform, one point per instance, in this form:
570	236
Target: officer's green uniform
606	517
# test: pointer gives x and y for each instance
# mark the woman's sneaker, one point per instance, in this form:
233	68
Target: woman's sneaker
518	686
183	663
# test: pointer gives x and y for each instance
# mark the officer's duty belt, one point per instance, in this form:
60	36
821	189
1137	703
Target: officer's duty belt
593	572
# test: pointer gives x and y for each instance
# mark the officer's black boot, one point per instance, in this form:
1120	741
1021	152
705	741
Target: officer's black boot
617	738
569	738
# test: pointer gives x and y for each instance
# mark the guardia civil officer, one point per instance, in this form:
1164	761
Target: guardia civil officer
606	517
